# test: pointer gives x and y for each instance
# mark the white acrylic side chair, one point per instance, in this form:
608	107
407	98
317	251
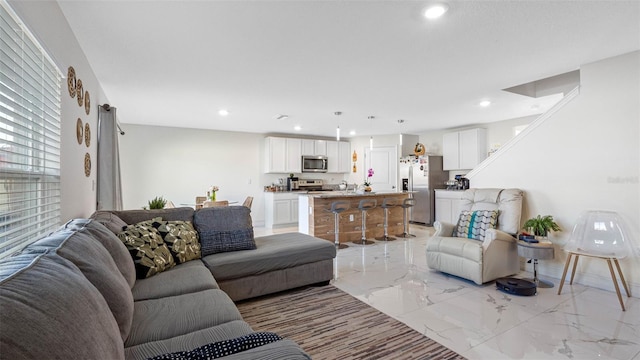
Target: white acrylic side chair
598	234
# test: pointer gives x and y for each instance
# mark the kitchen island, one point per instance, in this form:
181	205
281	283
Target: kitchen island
316	219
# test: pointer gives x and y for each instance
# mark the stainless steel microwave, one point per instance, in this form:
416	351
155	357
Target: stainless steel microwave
315	163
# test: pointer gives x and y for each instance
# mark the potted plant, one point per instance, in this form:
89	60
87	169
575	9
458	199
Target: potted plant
157	203
541	225
367	181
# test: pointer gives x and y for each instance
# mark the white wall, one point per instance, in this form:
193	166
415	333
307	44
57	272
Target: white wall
50	27
180	164
585	156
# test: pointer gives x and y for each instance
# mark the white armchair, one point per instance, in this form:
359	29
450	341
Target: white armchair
480	260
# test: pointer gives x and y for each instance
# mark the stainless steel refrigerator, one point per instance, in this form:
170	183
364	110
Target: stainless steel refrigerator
421	176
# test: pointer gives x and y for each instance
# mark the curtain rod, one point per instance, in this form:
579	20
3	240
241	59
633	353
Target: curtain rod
107	107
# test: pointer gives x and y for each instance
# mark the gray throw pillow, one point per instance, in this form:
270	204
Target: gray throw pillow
224	228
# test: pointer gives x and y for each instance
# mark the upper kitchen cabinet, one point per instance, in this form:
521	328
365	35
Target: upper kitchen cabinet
283	155
463	150
338	156
314	147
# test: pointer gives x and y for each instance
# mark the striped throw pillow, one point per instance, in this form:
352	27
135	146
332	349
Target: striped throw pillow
474	224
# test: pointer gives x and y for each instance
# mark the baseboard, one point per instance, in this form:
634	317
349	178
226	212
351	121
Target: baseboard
601	281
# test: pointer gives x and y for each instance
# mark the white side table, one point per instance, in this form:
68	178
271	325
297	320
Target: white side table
535	251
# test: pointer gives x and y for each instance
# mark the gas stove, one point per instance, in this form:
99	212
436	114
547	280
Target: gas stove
310	185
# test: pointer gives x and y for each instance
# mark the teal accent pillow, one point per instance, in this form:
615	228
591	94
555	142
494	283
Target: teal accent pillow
474	224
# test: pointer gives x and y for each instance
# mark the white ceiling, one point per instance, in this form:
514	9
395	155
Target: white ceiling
176	63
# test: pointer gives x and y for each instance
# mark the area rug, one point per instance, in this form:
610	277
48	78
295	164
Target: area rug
331	324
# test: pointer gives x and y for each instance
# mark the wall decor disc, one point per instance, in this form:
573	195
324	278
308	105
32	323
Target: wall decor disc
79	131
87	103
79	92
87	164
71	81
87	134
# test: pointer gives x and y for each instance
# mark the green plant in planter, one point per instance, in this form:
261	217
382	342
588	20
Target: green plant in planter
157	203
541	225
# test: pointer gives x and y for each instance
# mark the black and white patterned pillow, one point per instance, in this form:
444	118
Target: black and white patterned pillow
181	238
222	348
474	224
149	252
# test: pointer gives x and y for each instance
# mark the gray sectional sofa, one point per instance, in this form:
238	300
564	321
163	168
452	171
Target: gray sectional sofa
77	293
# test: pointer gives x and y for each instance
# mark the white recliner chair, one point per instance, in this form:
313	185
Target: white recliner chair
480	260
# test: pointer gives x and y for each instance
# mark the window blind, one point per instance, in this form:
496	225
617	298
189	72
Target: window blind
30	86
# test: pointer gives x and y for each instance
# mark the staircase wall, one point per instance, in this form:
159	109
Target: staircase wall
585	156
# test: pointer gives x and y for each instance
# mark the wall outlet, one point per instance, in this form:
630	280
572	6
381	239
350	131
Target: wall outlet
249	181
351	217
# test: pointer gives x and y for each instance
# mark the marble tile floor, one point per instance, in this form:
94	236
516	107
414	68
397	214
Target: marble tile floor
481	322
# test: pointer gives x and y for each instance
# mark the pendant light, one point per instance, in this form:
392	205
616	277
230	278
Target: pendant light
400	122
371	138
338	113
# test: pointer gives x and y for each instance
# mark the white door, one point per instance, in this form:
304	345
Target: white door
384	162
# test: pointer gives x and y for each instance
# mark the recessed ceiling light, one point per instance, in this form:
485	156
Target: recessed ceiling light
223	112
435	11
297	128
352	132
485	103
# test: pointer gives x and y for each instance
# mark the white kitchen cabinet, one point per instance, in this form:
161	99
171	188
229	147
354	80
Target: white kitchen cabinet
314	147
464	150
281	209
338	156
448	205
294	156
275	150
283	155
450	151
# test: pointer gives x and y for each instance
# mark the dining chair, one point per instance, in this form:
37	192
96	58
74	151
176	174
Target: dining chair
248	201
210	203
199	201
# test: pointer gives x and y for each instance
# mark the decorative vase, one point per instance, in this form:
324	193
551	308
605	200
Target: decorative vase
213	196
367	188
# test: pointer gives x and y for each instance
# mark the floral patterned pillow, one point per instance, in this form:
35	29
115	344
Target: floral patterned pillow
149	252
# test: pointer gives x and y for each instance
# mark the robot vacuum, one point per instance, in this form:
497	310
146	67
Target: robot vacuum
516	286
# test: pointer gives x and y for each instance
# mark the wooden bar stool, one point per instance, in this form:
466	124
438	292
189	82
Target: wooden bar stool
406	204
364	206
338	207
387	203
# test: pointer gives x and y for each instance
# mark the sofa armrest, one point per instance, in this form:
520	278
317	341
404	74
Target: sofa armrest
495	235
443	229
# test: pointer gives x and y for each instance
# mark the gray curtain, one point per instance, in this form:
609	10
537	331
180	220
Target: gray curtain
109	195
